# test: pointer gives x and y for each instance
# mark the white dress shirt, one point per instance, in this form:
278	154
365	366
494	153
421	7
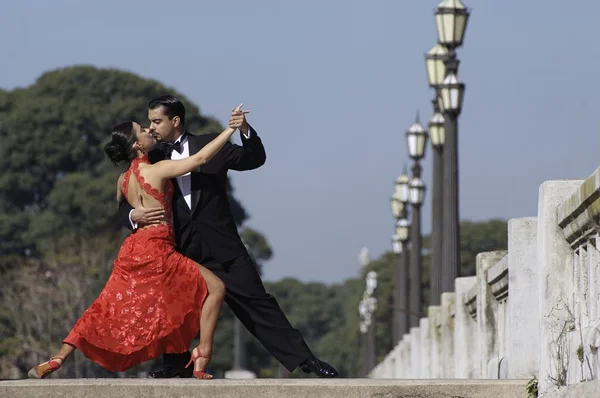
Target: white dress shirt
185	181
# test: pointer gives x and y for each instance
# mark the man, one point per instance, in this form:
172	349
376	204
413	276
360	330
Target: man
206	232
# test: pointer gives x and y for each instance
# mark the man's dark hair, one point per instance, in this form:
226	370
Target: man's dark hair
172	106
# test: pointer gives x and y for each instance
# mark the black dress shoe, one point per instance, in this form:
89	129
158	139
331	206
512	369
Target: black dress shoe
318	367
169	372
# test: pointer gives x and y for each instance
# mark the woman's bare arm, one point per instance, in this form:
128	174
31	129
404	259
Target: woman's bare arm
119	185
174	168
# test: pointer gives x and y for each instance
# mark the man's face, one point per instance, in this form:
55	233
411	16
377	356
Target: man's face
161	127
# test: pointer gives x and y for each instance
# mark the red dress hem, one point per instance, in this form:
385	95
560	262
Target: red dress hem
120	362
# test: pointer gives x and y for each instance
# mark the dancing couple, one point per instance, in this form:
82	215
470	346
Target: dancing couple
183	258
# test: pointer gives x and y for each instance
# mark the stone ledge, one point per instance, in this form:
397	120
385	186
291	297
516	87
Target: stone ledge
580	212
267	388
497	278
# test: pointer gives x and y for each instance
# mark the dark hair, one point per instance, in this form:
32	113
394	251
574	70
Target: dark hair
172	106
120	147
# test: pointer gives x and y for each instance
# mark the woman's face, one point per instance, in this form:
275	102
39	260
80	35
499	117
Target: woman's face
143	136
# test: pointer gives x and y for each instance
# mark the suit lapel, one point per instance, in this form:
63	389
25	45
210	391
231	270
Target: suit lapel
194	147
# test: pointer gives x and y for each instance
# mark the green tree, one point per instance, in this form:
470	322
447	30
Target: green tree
477	237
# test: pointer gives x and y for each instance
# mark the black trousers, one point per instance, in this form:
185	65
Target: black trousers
257	310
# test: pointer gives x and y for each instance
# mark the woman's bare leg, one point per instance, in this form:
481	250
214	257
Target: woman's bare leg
210	315
65	351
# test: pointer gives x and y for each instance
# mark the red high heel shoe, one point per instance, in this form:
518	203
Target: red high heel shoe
199	374
44	370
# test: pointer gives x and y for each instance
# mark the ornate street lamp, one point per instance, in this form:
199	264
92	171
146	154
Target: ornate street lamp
452	92
451	17
402	192
435	64
403	230
397	206
437	131
416	138
417	191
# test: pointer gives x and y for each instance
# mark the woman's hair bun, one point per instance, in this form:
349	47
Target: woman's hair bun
120	147
116	152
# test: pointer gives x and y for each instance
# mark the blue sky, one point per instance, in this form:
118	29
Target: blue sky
332	86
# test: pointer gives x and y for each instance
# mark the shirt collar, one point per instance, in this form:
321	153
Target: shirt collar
182	138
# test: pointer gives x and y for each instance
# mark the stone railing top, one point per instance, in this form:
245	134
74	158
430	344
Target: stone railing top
497	278
578	215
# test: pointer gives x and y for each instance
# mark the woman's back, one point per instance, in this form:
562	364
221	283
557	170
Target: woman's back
138	180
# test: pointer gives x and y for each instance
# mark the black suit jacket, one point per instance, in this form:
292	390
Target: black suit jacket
207	232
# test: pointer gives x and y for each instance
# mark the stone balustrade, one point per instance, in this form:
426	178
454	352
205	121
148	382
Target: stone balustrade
532	311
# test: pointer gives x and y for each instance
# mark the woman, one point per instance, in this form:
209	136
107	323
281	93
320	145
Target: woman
156	299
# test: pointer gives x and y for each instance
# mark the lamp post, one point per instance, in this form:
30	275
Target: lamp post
436	73
400	325
399	240
401	285
401	277
366	309
437	134
451	19
416	137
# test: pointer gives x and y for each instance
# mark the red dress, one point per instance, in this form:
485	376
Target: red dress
152	300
